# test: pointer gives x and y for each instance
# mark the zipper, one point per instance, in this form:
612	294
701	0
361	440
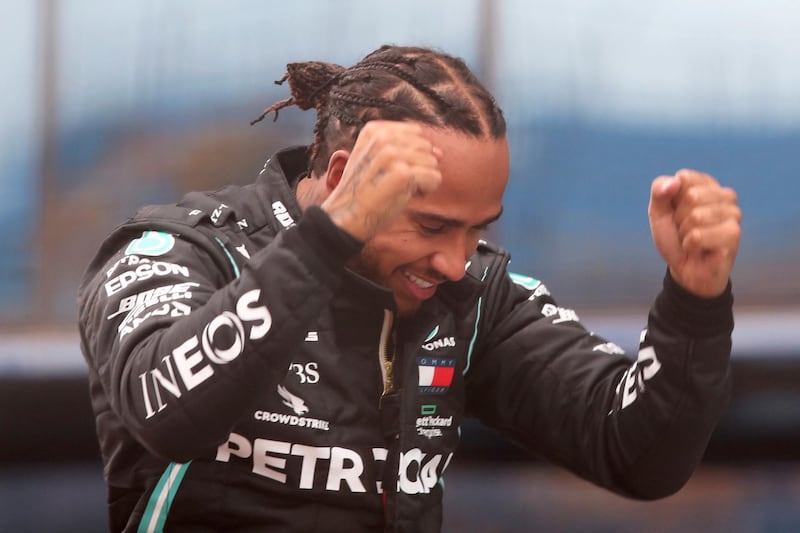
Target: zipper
386	350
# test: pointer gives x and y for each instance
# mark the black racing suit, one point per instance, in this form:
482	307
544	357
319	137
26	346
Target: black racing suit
244	380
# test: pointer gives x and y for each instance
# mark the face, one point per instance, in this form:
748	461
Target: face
430	242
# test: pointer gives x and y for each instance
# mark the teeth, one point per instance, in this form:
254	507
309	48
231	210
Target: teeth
419	282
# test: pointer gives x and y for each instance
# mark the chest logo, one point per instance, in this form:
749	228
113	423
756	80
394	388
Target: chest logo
435	374
294	402
431	343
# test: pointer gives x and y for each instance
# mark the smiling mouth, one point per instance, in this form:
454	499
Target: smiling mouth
419	282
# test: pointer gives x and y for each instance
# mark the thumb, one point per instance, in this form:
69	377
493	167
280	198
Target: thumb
662	223
662	193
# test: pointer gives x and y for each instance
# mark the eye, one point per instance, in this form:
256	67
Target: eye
432	229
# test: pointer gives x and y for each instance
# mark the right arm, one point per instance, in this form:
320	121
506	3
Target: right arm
179	357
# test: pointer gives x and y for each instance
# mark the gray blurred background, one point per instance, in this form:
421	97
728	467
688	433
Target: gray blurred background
108	106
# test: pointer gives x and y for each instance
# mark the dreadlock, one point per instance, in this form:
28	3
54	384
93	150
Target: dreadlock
391	83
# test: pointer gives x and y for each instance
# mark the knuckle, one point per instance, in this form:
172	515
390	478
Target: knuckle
387	155
695	236
695	218
683	230
689	196
694	195
735	230
399	166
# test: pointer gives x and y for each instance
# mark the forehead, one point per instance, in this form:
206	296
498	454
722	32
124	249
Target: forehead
474	176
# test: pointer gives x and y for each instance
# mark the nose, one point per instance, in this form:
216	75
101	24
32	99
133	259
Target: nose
450	261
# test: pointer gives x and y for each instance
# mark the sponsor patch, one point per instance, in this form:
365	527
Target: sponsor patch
432	334
216	216
282	214
152	243
192	362
609	348
430	343
562	314
298	419
306	373
435	374
429	425
165	293
443	342
296	403
142	272
427	409
136	317
242	250
334	468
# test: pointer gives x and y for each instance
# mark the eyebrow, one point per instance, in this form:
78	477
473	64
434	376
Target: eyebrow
454	222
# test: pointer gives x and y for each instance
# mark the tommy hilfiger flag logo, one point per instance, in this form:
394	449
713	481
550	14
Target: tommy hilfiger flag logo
435	374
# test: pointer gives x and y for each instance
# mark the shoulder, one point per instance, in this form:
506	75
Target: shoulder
504	286
156	236
487	261
492	264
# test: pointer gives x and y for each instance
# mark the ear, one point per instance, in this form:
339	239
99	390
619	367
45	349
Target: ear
336	165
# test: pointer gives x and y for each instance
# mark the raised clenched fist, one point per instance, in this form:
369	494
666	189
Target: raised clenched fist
695	224
390	163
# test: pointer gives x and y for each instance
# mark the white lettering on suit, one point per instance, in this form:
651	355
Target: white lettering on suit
419	472
194	359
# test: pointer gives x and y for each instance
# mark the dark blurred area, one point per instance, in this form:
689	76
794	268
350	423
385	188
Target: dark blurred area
111	109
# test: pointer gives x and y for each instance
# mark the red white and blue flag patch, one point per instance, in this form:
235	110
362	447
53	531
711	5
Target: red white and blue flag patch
435	374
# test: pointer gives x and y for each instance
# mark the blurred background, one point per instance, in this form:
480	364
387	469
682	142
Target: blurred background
110	106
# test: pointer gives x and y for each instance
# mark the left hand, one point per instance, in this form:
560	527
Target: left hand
695	224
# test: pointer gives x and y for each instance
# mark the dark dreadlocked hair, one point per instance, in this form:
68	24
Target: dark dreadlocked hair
391	83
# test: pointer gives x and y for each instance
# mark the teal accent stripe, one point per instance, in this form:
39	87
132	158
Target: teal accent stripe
230	257
432	334
475	333
526	281
155	514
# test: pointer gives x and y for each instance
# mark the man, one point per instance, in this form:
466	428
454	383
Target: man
298	354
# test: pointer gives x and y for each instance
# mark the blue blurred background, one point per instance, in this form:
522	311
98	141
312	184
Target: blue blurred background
108	106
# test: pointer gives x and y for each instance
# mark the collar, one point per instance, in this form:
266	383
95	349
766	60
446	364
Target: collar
276	183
